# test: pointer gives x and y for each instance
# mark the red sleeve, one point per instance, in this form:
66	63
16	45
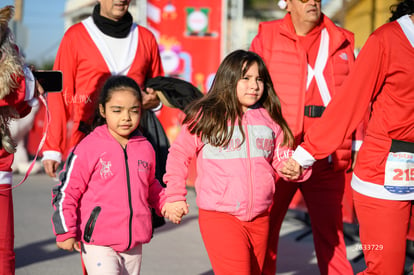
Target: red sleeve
156	65
60	114
148	64
349	106
180	155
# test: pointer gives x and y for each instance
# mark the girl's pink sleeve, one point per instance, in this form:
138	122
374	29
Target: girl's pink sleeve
181	152
157	197
156	194
281	154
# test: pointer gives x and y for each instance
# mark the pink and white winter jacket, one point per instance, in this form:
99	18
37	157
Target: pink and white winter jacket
106	192
238	179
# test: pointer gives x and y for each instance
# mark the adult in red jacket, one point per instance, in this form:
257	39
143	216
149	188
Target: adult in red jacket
308	57
16	98
383	179
104	44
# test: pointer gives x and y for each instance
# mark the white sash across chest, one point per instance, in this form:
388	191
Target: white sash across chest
407	26
320	65
128	45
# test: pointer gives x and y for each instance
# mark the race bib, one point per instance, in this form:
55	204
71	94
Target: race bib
399	173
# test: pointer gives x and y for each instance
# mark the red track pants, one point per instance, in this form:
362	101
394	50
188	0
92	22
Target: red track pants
7	258
383	228
234	246
322	193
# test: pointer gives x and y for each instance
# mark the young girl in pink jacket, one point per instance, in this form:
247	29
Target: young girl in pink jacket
239	139
108	186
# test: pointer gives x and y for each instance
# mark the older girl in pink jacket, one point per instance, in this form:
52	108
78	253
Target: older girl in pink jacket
239	139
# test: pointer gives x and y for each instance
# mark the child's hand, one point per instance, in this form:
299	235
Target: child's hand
174	211
292	169
69	245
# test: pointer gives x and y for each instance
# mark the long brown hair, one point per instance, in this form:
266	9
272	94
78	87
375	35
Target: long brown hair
209	116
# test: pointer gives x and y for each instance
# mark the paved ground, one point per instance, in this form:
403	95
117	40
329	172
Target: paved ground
175	249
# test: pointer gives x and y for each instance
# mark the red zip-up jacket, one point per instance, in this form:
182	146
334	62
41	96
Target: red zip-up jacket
279	46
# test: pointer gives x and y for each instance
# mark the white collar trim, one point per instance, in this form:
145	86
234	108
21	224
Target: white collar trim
407	26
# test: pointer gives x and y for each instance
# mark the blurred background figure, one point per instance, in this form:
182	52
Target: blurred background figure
17	91
19	129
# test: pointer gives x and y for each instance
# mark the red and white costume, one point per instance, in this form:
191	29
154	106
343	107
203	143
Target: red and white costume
21	99
383	179
85	58
306	71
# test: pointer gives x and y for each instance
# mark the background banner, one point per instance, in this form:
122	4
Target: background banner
190	35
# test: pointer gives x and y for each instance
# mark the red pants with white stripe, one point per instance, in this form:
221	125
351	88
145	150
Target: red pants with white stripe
322	193
7	258
383	228
234	246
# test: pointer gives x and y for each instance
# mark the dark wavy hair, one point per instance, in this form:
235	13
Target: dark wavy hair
113	84
209	116
400	9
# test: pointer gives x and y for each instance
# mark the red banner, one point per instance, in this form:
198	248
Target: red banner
189	34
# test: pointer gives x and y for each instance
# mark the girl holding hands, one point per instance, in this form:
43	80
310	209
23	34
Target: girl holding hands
240	141
108	186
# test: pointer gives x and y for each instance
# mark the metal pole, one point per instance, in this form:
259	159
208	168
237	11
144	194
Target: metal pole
18	10
373	14
236	24
343	15
141	8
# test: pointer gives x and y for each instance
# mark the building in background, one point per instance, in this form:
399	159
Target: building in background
362	17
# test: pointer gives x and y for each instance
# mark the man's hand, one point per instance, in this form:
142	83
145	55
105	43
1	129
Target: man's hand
50	167
150	99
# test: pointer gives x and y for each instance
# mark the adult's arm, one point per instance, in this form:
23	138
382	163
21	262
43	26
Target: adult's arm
58	104
348	107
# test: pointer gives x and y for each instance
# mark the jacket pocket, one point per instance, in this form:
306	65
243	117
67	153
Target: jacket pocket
91	224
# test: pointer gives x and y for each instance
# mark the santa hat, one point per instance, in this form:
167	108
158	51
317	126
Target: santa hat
282	4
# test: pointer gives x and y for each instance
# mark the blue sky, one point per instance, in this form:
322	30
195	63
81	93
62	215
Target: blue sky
43	20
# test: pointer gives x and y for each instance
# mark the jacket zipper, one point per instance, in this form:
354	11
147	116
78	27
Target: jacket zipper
129	197
250	205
